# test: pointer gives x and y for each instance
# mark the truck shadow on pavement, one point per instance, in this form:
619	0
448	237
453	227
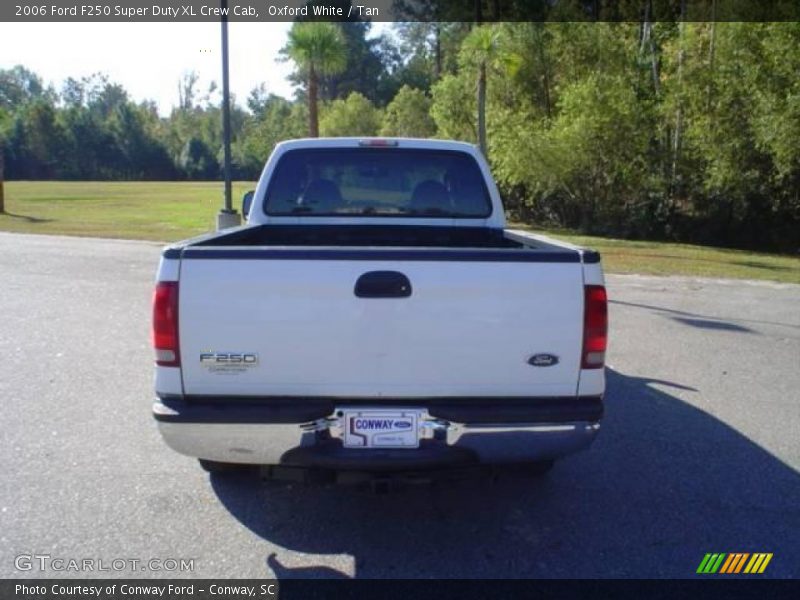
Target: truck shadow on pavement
689	318
664	483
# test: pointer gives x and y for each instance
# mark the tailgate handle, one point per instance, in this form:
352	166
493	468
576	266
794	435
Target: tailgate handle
383	284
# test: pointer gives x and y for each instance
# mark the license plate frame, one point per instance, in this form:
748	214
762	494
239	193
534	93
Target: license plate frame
380	428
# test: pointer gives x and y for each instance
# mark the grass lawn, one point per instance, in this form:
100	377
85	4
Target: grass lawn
165	211
663	258
176	210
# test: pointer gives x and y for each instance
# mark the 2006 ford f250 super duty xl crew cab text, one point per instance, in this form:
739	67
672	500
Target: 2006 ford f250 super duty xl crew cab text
375	315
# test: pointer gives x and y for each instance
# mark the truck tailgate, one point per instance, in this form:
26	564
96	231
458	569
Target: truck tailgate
270	326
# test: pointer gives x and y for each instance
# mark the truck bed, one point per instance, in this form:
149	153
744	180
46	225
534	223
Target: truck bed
512	245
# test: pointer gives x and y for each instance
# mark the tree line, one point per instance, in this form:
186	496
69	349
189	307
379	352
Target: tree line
648	130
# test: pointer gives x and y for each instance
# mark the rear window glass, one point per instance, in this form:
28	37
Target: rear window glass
377	182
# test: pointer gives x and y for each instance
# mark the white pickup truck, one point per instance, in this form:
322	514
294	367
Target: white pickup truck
374	314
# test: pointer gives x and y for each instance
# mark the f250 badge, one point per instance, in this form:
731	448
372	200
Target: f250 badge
228	363
543	360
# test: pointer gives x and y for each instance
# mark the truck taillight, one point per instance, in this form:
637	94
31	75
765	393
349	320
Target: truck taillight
595	327
165	324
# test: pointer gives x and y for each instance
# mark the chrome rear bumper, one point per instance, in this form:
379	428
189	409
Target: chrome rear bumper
318	443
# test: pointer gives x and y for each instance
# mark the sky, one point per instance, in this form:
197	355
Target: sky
148	59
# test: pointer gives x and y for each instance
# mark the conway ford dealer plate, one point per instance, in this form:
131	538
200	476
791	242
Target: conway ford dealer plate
380	428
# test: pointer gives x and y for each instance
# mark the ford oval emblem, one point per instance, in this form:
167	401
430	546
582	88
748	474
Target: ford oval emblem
402	424
543	360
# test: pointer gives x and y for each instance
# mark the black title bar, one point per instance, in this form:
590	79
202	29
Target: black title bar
398	10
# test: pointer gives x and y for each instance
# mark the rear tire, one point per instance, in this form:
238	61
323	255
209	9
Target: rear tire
220	468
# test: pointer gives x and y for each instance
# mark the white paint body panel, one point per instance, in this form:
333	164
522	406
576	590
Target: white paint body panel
468	328
168	269
168	381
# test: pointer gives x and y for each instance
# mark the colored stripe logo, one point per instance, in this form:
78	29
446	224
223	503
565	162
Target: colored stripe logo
734	563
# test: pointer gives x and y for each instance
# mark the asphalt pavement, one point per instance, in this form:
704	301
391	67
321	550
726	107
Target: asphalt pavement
699	451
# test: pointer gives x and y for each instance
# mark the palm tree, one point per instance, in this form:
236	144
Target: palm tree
482	50
317	48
